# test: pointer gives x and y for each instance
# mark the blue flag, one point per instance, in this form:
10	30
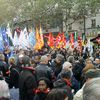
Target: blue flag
1	42
5	37
32	38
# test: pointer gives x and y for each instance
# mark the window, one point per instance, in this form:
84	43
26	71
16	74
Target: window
93	23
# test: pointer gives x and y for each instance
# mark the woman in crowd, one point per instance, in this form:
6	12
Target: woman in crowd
43	89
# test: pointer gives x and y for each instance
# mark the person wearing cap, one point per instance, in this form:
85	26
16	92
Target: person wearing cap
58	94
67	66
91	89
65	83
90	74
27	80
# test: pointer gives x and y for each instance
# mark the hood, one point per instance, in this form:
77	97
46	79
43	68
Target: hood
59	83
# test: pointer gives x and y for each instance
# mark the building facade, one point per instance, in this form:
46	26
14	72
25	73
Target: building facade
92	26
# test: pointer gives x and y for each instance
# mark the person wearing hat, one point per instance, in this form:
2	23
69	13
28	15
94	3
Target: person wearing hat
90	74
65	83
67	66
58	94
91	89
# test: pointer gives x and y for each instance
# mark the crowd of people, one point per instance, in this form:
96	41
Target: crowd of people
50	74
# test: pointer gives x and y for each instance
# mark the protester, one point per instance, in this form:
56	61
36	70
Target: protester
4	89
3	65
27	80
56	64
49	59
43	89
13	79
97	63
67	66
48	73
42	70
13	74
33	64
57	94
36	59
65	83
91	90
90	74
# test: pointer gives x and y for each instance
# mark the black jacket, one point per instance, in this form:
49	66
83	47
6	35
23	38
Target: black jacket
41	95
42	70
27	84
62	84
56	67
14	76
4	68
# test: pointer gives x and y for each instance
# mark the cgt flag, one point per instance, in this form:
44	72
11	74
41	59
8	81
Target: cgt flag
51	40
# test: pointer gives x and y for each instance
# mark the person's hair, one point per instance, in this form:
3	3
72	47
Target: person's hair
81	60
11	60
2	57
47	81
66	74
33	63
43	58
66	65
87	67
57	94
71	59
60	57
91	90
25	61
88	61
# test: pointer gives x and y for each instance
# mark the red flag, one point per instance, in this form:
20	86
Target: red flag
72	40
79	47
63	40
51	40
58	40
